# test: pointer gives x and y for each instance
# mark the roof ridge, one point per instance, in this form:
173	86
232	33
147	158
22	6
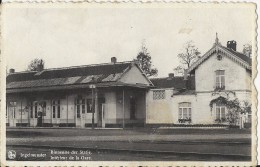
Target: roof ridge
168	77
234	51
71	67
19	72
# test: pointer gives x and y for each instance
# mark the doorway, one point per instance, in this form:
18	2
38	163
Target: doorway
39	119
101	113
132	107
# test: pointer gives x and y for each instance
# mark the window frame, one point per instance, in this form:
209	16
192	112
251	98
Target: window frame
157	96
56	111
13	105
187	108
35	106
30	109
220	79
81	106
219	115
89	106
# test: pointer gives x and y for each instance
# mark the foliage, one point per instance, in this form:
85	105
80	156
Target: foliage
232	116
247	49
36	65
219	100
184	120
189	55
144	61
179	70
234	108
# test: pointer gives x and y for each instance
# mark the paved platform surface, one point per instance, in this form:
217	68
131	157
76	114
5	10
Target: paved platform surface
232	142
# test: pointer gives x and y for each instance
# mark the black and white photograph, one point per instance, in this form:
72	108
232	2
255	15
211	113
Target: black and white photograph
128	84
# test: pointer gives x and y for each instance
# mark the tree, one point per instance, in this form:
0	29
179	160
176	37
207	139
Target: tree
247	49
189	55
36	65
233	111
144	60
179	70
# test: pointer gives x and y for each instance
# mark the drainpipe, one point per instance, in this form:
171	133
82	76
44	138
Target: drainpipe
185	79
67	111
28	114
96	105
75	114
123	108
21	111
92	101
7	110
51	112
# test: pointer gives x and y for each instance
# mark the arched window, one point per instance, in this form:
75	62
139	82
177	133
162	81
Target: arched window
185	110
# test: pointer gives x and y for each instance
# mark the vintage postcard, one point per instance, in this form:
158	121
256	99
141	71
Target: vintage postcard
128	84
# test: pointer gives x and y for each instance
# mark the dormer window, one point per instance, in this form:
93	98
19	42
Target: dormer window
220	79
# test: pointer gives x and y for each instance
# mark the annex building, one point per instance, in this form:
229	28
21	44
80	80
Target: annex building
119	94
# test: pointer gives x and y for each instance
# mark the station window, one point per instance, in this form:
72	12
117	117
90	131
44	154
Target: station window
56	109
185	110
220	79
158	94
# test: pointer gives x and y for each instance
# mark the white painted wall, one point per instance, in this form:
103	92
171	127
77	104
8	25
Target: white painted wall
160	111
110	107
140	105
236	77
134	76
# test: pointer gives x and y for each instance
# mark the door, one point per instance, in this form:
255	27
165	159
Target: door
39	119
56	112
103	116
12	113
101	112
132	108
80	111
41	112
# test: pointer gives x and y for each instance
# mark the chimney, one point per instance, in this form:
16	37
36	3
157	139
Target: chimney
232	45
40	67
185	78
11	71
171	75
185	75
248	54
113	60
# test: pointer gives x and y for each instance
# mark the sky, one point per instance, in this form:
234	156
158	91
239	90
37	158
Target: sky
72	35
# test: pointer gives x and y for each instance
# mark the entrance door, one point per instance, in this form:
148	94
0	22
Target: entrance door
41	105
39	119
80	111
132	107
101	114
55	112
12	113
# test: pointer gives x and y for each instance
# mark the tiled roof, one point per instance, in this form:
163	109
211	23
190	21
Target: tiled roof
185	92
75	86
239	55
175	82
79	75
